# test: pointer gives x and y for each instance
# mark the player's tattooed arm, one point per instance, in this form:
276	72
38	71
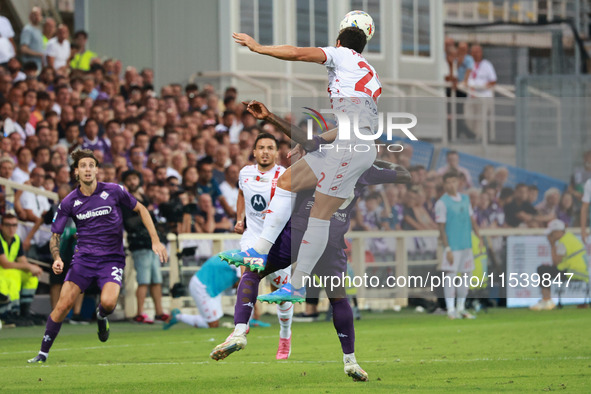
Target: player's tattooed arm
54	246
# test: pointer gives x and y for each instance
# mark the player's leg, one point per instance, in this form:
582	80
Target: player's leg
246	294
109	278
284	314
204	303
334	263
298	177
109	296
466	267
68	295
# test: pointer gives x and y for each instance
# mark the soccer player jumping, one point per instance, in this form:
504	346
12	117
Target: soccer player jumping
95	208
354	89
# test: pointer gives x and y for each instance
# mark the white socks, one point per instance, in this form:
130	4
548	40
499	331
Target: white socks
279	212
311	249
449	292
462	293
349	358
240	329
285	314
193	320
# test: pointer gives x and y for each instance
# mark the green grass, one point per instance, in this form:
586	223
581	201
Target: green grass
503	350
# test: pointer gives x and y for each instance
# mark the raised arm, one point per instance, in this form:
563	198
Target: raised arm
283	52
157	246
260	111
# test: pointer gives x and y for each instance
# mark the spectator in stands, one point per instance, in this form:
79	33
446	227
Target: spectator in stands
58	48
416	216
568	256
220	162
24	165
34	208
580	176
519	211
566	210
20	278
32	39
453	163
146	262
465	65
207	185
481	82
48	30
91	139
547	208
229	187
487	175
500	178
7	33
532	194
585	214
83	57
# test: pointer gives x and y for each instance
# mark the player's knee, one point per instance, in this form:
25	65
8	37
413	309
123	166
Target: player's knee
214	324
109	304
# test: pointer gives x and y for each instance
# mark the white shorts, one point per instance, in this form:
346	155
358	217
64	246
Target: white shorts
463	261
338	168
209	307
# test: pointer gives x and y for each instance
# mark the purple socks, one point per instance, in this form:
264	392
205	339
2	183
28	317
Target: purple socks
51	330
342	318
246	297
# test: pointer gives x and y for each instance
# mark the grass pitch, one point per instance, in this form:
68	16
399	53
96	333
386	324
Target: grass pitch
502	350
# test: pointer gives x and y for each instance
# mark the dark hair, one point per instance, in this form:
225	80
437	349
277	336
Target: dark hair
42	95
533	187
265	136
353	38
30	66
192	87
204	161
80	154
8	216
40	148
450	174
81	33
520	185
505	193
451	152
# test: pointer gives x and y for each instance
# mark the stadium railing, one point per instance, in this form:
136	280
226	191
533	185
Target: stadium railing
402	260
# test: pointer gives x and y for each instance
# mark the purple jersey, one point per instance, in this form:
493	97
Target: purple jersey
341	220
98	219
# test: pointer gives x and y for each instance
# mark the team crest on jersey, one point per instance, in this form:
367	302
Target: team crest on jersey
258	202
104	195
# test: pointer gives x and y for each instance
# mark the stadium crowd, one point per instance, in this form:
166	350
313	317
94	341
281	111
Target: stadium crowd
180	150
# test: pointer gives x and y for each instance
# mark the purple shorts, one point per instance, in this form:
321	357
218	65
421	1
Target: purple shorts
86	269
333	261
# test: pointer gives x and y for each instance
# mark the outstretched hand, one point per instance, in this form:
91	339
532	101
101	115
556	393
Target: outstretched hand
245	40
257	109
160	250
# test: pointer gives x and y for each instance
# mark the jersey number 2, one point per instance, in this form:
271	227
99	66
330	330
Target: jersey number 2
361	85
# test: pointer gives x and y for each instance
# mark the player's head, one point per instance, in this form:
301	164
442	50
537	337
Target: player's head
450	182
85	165
265	149
353	38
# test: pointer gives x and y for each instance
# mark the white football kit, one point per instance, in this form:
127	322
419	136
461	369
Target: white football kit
258	189
354	89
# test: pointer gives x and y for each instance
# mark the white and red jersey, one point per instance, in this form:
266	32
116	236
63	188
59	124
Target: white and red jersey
258	189
353	84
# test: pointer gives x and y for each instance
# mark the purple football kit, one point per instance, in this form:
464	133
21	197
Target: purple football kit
332	262
99	254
